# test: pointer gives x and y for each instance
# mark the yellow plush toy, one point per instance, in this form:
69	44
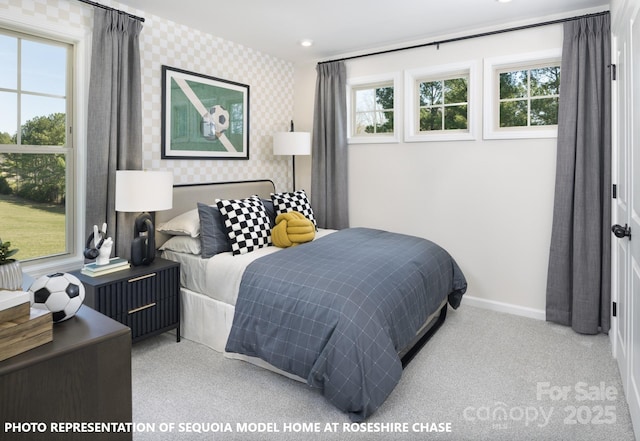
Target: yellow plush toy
291	229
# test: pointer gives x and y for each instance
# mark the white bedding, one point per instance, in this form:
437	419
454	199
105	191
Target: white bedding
219	276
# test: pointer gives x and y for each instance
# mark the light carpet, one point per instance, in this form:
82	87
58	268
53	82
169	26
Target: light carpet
484	376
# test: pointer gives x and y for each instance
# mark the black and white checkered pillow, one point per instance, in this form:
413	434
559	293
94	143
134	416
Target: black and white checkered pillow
247	223
296	201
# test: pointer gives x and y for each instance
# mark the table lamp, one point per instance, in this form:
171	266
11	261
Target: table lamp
143	191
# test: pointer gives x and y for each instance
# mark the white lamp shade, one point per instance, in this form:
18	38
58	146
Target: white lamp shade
140	190
292	143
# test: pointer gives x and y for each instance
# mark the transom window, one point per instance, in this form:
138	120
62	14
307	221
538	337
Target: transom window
36	155
440	101
529	97
373	109
521	95
442	104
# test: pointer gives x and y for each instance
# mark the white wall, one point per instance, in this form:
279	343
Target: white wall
489	202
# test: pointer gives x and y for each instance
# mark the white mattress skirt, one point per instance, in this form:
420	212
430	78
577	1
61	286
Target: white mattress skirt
208	321
205	320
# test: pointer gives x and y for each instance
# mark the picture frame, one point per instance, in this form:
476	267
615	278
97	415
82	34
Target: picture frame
203	117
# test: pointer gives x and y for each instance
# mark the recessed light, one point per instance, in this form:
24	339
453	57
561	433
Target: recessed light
306	43
503	1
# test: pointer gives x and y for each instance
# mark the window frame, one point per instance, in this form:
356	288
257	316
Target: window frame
370	82
440	73
493	67
80	52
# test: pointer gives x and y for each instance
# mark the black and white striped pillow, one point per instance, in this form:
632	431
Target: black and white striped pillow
247	223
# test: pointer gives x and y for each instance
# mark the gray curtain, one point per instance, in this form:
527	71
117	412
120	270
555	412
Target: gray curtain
330	156
114	132
578	284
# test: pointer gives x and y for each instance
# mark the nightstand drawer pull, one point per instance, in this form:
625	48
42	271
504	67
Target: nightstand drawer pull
135	279
150	305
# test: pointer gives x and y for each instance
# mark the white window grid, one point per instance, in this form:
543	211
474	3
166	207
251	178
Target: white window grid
493	67
414	77
367	83
79	53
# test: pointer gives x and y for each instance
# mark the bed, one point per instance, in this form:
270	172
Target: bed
343	313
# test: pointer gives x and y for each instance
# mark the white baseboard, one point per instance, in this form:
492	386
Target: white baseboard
492	305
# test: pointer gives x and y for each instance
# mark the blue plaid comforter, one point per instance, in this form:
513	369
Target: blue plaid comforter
337	310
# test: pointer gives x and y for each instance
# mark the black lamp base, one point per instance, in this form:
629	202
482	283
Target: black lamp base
143	246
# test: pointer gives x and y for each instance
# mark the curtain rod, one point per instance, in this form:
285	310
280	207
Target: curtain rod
467	37
108	8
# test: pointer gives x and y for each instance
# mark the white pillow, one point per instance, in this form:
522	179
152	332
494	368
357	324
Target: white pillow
182	244
185	224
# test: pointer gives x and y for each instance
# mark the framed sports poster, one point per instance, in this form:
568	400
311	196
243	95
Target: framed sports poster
203	117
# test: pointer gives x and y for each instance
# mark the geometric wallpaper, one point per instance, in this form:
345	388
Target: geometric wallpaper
270	83
163	42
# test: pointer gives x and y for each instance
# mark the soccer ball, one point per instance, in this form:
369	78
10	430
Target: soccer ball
215	122
60	293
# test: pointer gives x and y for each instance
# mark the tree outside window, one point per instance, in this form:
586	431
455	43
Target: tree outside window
374	110
443	104
529	97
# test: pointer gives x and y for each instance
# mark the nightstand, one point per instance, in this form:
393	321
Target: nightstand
146	298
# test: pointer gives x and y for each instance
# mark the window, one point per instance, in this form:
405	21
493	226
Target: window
442	104
522	95
439	103
36	148
372	109
529	97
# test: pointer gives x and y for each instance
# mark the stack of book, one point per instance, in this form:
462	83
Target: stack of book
22	327
95	270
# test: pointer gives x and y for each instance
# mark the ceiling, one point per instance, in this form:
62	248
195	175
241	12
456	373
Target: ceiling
341	27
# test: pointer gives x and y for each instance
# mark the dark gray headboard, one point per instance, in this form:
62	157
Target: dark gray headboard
186	197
